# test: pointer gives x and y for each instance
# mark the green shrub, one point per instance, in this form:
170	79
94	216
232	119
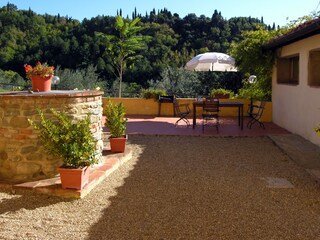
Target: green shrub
72	141
255	93
115	119
85	78
152	93
11	81
221	91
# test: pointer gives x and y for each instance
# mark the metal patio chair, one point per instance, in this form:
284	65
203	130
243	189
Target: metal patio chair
255	111
182	111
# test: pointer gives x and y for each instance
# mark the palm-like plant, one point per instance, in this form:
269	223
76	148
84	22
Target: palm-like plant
123	46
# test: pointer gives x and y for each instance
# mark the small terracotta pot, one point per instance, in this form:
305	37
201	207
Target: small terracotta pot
41	84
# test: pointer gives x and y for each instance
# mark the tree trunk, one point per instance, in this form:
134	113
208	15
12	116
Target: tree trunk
120	79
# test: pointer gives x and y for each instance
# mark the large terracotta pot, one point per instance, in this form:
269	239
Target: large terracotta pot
118	145
75	178
41	84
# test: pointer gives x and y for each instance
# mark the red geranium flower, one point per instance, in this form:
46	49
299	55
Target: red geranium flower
42	70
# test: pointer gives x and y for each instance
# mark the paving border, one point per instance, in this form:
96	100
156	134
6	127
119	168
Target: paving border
52	186
301	151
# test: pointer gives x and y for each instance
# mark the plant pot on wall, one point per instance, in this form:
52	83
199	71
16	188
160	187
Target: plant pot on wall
118	144
41	84
75	178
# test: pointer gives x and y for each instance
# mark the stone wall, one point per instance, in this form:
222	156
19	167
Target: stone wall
22	157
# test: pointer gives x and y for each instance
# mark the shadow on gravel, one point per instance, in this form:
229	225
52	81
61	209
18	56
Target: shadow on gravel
180	190
27	200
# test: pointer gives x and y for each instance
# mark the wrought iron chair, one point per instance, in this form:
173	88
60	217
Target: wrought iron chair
210	112
182	111
255	111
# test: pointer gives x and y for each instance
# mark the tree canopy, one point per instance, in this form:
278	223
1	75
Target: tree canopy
28	37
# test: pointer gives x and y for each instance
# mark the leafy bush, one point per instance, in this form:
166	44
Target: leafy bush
256	94
72	141
178	82
253	58
258	90
221	91
85	78
152	93
11	81
128	89
115	120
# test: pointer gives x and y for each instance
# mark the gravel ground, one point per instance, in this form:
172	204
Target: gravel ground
178	188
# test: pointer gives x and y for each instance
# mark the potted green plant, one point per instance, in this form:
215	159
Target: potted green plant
221	93
73	142
40	76
116	124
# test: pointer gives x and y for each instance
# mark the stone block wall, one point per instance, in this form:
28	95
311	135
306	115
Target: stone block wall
22	157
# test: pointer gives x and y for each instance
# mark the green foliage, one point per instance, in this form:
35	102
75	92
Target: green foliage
85	78
255	93
128	89
115	119
184	83
250	55
221	91
178	82
72	141
134	89
122	47
152	93
252	58
12	81
162	45
300	20
28	37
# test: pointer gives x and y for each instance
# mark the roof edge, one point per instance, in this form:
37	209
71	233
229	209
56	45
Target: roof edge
303	31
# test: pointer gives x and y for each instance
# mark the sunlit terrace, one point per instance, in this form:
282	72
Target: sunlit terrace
144	118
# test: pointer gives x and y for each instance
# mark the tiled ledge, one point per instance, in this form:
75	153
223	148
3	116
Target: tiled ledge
52	186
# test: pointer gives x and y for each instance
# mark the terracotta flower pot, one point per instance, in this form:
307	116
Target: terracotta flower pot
118	145
75	178
41	84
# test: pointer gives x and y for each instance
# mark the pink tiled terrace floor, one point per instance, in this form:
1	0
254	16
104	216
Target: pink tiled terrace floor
228	127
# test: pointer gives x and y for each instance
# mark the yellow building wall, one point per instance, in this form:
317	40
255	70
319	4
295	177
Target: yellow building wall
150	107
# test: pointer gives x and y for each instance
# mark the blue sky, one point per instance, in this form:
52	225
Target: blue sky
278	11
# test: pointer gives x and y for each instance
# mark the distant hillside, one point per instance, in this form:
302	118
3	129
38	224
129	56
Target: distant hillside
28	37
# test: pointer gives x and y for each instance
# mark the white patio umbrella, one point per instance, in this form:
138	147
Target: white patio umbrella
212	61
